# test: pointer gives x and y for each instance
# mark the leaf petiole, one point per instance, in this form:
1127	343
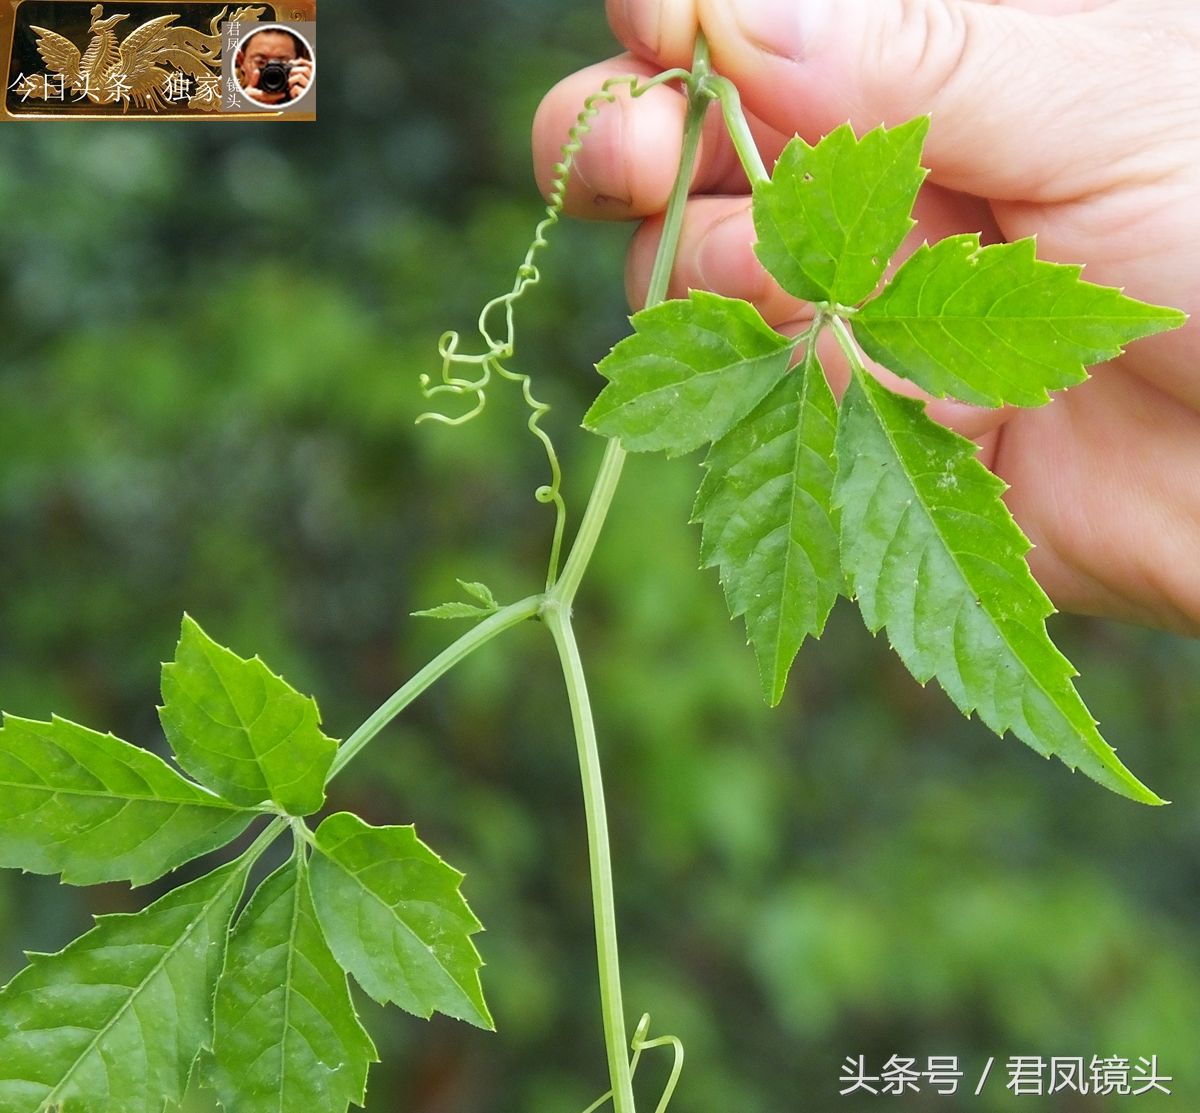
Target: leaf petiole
725	92
505	618
846	343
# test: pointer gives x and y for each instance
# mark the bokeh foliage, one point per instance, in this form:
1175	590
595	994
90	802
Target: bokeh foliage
210	343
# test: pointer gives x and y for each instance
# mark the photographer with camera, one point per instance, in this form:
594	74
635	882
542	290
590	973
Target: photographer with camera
274	66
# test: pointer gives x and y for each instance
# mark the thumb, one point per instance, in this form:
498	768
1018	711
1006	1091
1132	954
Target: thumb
661	30
1015	94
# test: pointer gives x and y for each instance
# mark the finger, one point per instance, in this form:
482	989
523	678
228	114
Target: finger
1014	93
716	253
716	248
626	166
661	30
1050	7
977	423
980	424
664	31
630	153
1103	481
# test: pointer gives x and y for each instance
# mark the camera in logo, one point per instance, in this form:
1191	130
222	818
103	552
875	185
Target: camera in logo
273	77
274	65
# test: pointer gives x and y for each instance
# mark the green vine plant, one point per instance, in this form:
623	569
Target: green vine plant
803	500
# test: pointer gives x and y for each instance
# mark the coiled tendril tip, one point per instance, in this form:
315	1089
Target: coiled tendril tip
637	1045
500	344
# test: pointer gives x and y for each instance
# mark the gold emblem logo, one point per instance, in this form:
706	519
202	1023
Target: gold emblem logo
77	59
156	65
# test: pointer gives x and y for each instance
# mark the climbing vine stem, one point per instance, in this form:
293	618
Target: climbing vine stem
555	605
609	474
557	615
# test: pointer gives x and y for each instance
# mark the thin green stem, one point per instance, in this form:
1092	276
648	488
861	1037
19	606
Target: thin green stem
668	245
846	343
503	619
265	837
301	832
555	608
558	621
639	1043
591	524
609	474
557	616
738	127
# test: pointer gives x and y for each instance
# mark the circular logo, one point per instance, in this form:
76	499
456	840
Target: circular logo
275	66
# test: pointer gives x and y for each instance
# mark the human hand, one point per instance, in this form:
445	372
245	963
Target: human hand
299	75
1075	120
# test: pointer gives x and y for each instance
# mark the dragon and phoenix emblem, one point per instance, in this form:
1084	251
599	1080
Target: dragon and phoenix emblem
157	65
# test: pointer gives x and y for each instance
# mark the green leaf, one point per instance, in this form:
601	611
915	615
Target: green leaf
833	215
453	610
934	556
113	1023
690	372
242	730
394	916
993	325
768	523
287	1037
481	592
94	808
477	591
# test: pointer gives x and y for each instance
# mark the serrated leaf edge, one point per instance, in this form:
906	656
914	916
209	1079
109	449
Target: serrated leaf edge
773	684
474	927
237	875
1134	789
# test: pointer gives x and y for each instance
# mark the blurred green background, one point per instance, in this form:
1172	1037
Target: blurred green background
211	337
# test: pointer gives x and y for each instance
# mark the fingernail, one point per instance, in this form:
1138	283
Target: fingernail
785	28
643	19
664	29
601	151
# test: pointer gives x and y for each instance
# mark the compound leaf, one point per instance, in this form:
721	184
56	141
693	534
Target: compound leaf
93	808
242	730
832	215
993	325
934	556
487	604
691	370
113	1023
287	1037
768	523
394	917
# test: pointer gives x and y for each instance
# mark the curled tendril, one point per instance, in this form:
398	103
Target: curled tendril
468	375
638	1044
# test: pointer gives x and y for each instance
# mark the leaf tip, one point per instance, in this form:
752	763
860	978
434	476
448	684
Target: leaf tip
1139	793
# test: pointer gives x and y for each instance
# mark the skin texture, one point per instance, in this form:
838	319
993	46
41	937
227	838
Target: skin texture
1077	121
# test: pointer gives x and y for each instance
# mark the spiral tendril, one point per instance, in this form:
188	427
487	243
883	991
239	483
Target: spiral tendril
638	1044
468	375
